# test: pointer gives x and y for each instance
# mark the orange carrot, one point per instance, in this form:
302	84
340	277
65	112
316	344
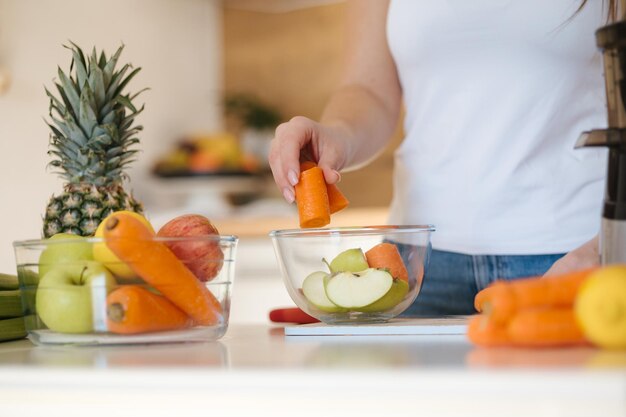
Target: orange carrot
503	299
484	332
386	255
132	309
133	243
545	327
304	165
336	200
312	199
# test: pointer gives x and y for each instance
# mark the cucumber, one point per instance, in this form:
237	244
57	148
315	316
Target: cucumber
10	304
12	329
8	282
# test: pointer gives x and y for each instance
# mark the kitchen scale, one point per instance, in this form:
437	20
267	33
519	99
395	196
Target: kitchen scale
446	325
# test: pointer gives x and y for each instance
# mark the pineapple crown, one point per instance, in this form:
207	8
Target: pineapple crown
92	120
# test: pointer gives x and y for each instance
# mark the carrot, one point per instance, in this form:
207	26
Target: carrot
134	243
336	200
304	165
545	327
502	299
132	309
484	332
386	255
312	199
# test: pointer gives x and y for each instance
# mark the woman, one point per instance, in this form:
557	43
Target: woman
496	94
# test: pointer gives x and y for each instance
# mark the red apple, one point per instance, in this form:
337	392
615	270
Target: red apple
203	257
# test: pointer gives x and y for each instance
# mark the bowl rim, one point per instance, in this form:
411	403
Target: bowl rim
94	239
352	230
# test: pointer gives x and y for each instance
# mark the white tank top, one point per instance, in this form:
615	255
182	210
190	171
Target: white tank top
496	94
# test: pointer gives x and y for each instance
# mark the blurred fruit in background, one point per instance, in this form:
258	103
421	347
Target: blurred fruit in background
217	153
254	121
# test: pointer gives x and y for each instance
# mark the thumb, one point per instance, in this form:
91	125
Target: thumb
330	165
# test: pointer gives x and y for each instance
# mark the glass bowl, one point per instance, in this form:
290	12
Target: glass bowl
75	291
378	275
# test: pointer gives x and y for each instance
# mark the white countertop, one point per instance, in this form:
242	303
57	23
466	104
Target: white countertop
255	370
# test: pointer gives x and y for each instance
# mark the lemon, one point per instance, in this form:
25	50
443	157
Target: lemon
601	307
102	253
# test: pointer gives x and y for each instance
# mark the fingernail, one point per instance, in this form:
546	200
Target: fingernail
292	177
289	196
338	175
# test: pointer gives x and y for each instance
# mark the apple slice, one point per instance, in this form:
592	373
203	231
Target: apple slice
313	290
357	290
394	296
351	260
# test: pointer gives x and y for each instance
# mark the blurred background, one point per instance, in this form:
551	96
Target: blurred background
222	74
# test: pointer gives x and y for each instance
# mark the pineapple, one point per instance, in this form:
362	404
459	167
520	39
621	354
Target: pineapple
91	140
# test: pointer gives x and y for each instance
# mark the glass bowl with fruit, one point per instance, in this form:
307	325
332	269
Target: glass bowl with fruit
128	283
353	275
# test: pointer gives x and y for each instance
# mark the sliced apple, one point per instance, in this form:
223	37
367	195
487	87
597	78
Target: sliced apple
351	260
357	290
313	290
394	296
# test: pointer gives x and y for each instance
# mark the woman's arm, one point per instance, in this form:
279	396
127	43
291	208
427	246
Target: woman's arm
362	113
368	99
585	256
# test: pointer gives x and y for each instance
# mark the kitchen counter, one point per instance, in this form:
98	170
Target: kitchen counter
256	370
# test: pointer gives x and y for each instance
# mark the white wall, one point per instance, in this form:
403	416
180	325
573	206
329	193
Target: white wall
178	45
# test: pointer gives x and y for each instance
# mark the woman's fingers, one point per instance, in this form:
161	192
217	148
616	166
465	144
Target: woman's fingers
285	150
302	138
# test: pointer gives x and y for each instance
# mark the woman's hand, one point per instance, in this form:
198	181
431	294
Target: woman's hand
585	256
304	139
360	116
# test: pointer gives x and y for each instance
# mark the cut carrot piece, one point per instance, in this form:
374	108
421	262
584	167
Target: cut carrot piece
336	199
134	243
304	165
312	199
132	309
484	332
502	299
545	327
386	255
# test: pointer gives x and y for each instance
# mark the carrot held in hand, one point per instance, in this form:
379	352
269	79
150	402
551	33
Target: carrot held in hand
336	200
312	199
134	243
132	309
503	299
386	255
545	327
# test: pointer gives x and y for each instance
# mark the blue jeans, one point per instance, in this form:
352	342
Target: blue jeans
452	279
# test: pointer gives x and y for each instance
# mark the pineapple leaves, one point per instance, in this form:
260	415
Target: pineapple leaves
70	91
125	101
96	83
126	80
87	116
80	66
110	67
91	118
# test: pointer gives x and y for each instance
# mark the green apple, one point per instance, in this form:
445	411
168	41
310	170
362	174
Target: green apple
69	249
360	289
394	296
72	298
351	260
313	290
